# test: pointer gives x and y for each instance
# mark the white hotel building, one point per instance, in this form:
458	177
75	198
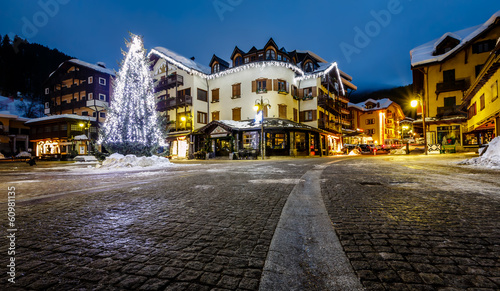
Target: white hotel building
212	108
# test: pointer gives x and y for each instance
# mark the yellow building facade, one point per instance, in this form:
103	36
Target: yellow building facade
482	103
443	70
379	119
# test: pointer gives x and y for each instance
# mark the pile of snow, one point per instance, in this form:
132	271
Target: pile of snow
354	152
2	156
23	155
400	151
132	161
489	158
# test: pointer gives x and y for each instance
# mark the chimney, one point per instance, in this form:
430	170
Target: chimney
101	64
192	58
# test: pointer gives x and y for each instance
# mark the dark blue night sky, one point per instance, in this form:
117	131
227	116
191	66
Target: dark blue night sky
369	39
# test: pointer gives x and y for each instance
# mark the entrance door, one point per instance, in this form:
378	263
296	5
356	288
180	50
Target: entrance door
222	147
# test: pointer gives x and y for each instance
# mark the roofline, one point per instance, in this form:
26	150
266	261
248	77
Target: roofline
466	44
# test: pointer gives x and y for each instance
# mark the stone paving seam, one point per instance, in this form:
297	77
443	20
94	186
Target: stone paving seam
305	252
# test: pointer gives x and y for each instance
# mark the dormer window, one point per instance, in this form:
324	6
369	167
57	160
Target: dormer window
215	68
279	57
238	61
270	55
308	67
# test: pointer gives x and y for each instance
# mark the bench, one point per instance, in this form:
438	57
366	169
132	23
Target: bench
448	149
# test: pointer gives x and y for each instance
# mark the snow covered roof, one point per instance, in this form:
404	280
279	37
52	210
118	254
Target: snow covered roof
88	65
380	104
251	124
180	61
425	53
62	116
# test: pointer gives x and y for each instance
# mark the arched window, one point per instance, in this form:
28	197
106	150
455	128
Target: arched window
238	61
270	55
215	68
309	67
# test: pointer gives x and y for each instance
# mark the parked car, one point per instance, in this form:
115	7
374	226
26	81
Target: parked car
366	148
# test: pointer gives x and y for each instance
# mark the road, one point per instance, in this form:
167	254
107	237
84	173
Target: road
389	222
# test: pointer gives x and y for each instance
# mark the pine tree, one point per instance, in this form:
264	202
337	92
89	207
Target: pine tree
132	125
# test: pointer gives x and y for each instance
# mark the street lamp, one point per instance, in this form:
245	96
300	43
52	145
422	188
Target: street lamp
86	130
259	107
414	103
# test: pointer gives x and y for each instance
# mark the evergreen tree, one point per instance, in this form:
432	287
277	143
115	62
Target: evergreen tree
132	125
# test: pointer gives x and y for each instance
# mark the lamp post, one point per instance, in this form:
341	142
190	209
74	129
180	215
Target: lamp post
414	103
259	106
86	130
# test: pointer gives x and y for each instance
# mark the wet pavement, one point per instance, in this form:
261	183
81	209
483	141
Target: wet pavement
404	223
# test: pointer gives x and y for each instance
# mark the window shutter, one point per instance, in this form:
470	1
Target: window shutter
254	86
287	87
301	93
314	117
276	85
314	91
301	116
269	84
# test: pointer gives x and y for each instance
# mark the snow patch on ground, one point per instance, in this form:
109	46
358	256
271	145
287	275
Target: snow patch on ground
204	187
132	161
400	151
490	157
276	181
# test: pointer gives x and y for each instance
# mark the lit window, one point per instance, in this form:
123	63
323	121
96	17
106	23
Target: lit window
46	91
91	80
91	96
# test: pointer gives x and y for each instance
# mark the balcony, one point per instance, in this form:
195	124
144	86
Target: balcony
330	126
343	99
449	111
170	82
173	103
345	111
100	104
67	106
457	85
346	123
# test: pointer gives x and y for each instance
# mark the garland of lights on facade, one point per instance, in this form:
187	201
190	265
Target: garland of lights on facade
261	65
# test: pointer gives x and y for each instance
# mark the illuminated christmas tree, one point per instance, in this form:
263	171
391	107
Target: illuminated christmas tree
132	125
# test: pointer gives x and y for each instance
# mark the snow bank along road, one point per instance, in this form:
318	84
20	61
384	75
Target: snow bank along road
401	222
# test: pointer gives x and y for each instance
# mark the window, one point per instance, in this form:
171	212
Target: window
55	127
75	127
282	86
102	97
481	103
215	95
279	57
472	110
252	59
215	115
247	60
494	91
102	81
282	110
237	114
370	121
295	113
85	113
236	91
261	57
215	68
370	131
270	55
447	135
250	140
308	115
449	102
102	114
308	92
91	96
46	91
94	114
47	129
308	67
238	61
202	117
483	46
202	95
449	76
261	86
91	80
64	126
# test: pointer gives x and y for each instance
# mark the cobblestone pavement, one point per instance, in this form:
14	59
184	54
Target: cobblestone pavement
197	227
417	223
